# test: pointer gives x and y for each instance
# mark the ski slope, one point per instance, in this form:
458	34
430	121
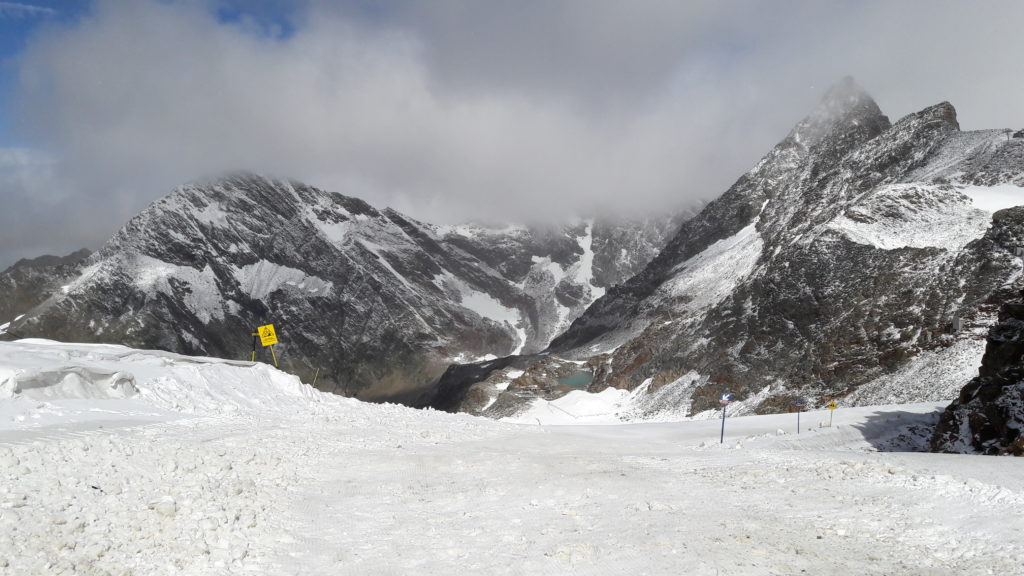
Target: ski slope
120	461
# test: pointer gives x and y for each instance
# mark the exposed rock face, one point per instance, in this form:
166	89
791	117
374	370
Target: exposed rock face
988	417
844	259
379	303
28	283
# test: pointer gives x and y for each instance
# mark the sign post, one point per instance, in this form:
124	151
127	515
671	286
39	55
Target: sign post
831	410
799	406
268	338
725	400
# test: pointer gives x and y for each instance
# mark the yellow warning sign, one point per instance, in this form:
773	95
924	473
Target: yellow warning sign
832	405
267	335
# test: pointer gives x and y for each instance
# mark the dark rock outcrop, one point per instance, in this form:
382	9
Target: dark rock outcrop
988	416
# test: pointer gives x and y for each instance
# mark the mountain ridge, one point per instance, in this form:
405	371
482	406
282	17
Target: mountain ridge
371	302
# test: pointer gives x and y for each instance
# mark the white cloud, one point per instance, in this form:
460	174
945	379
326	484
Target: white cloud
19	10
452	110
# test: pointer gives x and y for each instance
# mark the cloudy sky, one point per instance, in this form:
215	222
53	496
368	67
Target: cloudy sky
453	110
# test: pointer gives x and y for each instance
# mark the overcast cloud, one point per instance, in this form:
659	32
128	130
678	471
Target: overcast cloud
456	110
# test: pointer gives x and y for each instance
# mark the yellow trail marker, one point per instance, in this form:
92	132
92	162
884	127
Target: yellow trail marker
267	335
831	409
267	338
832	405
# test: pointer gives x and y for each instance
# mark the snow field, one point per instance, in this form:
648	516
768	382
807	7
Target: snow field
645	499
255	473
139	504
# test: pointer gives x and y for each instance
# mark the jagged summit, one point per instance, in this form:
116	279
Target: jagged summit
844	106
941	113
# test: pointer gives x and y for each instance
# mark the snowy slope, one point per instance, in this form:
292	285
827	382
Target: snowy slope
196	469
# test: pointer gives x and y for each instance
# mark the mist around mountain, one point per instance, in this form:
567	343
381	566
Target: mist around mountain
860	260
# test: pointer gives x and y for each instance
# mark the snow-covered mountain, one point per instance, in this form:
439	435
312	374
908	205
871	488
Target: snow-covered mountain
368	302
859	259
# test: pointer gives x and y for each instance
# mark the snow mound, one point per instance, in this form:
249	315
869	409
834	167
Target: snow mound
69	382
58	374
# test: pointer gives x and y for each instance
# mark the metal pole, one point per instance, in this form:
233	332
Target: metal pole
254	336
315	376
798	420
721	439
274	356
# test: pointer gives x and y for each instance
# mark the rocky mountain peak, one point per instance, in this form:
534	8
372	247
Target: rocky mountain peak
844	106
942	114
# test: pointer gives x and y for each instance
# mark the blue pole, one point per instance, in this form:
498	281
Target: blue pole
721	440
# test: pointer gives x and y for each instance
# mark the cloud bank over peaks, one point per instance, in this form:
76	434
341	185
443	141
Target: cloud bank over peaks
455	110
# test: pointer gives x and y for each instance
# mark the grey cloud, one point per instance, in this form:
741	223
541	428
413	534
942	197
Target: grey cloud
454	110
37	216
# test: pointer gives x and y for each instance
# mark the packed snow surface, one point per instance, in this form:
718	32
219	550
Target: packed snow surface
122	461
